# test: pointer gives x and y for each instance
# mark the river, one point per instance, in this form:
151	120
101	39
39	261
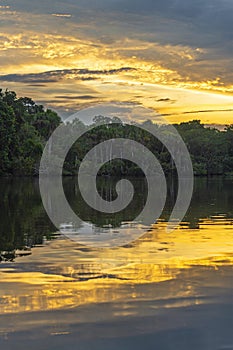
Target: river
162	291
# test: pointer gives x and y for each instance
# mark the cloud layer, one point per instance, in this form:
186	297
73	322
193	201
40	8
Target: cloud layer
148	52
56	75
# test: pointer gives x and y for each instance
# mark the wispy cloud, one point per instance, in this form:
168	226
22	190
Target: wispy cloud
56	75
197	112
209	111
64	15
166	99
77	97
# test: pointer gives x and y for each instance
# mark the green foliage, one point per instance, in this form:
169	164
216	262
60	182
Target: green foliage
24	130
25	127
211	150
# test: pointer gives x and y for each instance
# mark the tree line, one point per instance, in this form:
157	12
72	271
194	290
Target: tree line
25	128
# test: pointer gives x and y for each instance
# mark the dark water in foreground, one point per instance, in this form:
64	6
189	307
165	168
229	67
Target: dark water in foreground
163	291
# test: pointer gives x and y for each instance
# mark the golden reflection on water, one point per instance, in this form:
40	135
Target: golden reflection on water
159	266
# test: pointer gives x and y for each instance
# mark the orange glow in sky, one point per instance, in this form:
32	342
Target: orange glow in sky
70	56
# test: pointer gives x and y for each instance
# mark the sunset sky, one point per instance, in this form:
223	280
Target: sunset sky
173	56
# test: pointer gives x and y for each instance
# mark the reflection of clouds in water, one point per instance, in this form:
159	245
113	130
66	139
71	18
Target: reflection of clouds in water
66	274
140	291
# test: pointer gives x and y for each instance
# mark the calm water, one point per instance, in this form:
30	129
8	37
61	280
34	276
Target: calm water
163	291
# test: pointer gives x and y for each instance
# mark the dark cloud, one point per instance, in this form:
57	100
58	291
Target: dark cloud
41	6
81	97
199	111
209	111
56	75
36	85
205	20
192	22
202	30
167	99
199	23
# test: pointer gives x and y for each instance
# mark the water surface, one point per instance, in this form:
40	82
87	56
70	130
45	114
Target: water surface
162	291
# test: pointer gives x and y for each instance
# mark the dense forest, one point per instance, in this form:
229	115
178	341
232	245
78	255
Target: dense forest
25	127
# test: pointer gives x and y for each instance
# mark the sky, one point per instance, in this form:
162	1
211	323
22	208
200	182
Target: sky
172	56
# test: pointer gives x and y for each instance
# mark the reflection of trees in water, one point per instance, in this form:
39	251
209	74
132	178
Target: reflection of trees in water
212	196
24	223
23	219
107	190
